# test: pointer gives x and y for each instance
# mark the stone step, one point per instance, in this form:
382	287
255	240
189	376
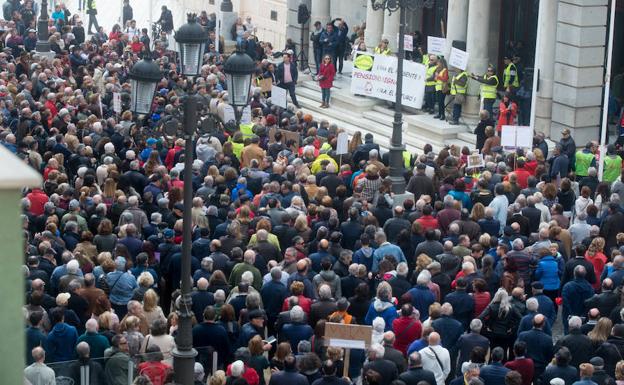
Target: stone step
433	128
347	101
468	137
353	121
380	118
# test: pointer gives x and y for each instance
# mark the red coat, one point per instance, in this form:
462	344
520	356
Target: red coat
326	75
404	335
37	200
506	115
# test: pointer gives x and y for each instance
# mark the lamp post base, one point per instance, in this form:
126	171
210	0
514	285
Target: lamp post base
184	365
43	50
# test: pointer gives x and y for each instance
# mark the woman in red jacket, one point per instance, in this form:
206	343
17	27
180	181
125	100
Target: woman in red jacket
407	328
508	109
326	79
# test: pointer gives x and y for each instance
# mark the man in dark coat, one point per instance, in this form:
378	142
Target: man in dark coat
211	334
361	153
273	294
296	330
574	294
468	341
376	362
202	298
611	226
462	303
287	75
449	329
420	184
494	373
392	354
579	344
415	373
290	375
612	351
396	224
539	345
606	301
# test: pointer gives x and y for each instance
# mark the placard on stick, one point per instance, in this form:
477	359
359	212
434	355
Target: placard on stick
347	337
342	144
279	97
436	45
286	137
458	59
517	137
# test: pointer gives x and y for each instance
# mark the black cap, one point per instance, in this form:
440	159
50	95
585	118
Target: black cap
179	206
597	361
421	166
537	285
256	314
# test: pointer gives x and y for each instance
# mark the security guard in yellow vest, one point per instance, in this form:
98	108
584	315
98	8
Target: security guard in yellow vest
489	85
584	159
510	75
430	82
612	165
459	87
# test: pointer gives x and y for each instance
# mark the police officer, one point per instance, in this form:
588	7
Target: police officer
430	83
489	85
459	86
612	165
510	75
584	159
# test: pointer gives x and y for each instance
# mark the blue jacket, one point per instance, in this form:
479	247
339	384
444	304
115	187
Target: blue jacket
34	338
421	297
62	342
574	294
387	249
526	323
121	286
273	294
295	332
494	373
450	330
539	346
546	307
364	256
463	306
549	273
383	309
329	42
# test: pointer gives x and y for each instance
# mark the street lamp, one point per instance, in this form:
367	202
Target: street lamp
144	77
239	69
396	143
43	46
191	39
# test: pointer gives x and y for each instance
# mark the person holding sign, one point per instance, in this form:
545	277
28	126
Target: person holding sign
382	48
326	79
459	86
430	82
508	111
441	87
489	85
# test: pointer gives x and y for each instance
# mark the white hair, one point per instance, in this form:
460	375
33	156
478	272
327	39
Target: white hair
378	349
296	314
532	304
237	368
575	322
247	277
73	266
379	324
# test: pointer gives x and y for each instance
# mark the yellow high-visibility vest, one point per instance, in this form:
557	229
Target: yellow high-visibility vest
583	162
489	91
507	76
612	168
439	83
430	73
456	88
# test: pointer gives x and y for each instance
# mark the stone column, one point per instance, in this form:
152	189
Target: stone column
391	29
320	11
457	22
579	69
545	64
374	26
477	45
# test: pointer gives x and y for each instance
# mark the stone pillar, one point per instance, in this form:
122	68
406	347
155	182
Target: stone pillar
579	69
477	45
320	11
545	64
457	22
14	176
391	29
374	26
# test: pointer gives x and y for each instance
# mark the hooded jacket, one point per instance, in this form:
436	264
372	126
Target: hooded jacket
332	279
383	309
61	342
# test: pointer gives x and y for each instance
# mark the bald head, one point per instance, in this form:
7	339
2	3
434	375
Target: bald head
538	321
434	339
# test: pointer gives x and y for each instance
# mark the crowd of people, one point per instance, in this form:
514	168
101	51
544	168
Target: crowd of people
510	273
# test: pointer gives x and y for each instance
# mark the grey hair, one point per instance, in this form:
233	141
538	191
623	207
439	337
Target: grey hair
378	349
532	304
325	292
476	325
296	314
575	322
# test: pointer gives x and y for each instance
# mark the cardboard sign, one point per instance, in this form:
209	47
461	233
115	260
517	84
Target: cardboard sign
458	59
517	137
436	45
286	137
408	42
228	114
246	116
475	160
117	102
342	144
348	336
279	97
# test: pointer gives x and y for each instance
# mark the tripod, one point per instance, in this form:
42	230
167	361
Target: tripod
302	56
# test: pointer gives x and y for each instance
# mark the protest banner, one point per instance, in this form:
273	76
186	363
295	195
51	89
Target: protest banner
517	137
279	97
377	78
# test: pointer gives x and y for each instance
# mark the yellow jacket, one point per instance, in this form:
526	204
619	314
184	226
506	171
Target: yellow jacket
316	165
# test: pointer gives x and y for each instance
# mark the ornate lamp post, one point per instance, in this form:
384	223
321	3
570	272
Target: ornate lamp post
396	143
191	39
43	46
239	69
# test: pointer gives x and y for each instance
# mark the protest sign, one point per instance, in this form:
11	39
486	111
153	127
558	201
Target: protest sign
517	137
342	143
458	59
377	76
436	45
279	97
